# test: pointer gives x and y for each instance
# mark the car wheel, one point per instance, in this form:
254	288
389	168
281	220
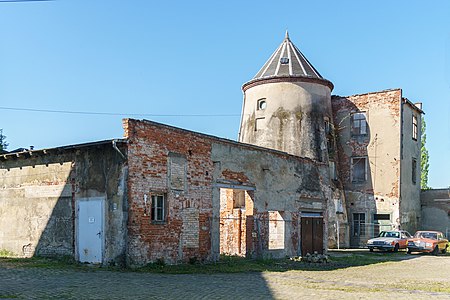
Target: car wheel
435	251
444	250
408	251
396	248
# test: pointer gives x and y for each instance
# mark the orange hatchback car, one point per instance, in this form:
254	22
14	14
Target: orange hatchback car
428	241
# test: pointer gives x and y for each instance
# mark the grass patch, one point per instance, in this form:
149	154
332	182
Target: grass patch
6	253
433	287
226	264
234	264
8	296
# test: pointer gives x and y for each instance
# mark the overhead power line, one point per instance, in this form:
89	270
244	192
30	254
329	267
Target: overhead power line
5	1
113	113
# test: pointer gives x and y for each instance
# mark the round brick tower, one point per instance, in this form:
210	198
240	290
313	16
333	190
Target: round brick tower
287	105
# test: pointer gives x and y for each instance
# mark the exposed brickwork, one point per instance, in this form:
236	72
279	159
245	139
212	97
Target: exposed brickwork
184	234
351	146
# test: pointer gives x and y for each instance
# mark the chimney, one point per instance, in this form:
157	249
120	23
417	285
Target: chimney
418	105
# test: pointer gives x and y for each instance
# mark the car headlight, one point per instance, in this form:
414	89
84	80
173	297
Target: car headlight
428	245
369	242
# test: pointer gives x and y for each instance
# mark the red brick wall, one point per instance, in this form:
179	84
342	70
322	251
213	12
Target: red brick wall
148	155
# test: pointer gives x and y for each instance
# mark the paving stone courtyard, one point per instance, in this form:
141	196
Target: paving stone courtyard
414	277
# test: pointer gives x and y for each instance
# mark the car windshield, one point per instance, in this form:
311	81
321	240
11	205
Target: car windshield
426	235
392	234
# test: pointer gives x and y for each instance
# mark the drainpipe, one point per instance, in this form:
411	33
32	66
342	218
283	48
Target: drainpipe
117	149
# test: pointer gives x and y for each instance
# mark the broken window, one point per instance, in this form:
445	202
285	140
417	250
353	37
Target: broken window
359	169
359	224
359	123
333	173
327	126
414	171
414	127
158	208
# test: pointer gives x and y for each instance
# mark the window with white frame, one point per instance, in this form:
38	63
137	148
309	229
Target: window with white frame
158	208
414	127
359	123
359	169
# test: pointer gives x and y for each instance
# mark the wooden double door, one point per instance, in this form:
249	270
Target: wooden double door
312	235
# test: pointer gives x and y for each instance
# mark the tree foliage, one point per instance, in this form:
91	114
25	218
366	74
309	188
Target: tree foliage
3	143
424	158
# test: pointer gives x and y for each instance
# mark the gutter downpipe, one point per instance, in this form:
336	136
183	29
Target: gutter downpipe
118	150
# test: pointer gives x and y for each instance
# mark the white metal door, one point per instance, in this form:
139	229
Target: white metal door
90	230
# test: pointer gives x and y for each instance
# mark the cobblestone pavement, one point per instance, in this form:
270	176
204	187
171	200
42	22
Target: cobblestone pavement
417	277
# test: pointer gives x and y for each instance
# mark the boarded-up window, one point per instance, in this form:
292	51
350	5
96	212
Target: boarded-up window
276	230
359	169
260	123
177	171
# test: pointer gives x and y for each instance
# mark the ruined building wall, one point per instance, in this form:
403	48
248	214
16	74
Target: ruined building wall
377	149
38	192
192	171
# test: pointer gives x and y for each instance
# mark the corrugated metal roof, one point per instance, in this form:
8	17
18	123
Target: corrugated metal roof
287	60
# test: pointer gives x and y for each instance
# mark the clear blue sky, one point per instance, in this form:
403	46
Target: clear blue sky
192	57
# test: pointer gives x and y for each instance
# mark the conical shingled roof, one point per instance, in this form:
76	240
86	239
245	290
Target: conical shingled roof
287	63
287	60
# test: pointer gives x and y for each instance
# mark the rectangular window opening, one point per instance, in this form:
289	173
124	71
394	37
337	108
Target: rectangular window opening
359	224
414	171
381	217
414	127
359	169
158	208
359	124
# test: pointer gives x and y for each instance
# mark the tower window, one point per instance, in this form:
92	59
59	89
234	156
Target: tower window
284	60
262	104
414	171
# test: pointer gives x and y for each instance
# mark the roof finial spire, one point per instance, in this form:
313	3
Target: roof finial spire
286	35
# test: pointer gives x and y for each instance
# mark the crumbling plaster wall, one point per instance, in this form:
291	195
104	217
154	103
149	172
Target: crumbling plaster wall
281	182
436	210
380	192
38	194
294	109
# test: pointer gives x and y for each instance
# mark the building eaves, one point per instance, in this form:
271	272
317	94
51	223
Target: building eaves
29	153
413	106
